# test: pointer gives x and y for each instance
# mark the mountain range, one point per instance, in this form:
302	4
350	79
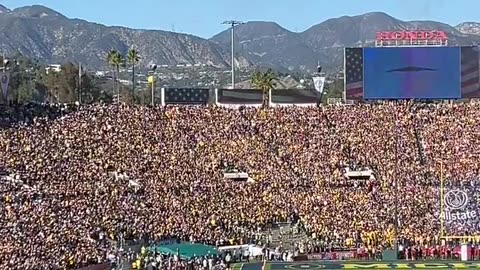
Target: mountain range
47	35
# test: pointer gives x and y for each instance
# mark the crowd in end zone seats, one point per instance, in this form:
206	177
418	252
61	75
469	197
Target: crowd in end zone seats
107	172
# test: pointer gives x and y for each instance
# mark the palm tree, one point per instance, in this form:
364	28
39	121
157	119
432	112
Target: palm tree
111	61
118	60
133	57
264	81
115	59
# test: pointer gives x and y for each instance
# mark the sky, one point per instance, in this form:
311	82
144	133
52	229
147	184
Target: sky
204	17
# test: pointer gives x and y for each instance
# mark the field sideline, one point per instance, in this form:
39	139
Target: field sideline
317	265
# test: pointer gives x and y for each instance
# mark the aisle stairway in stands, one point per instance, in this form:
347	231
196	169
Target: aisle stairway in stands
420	145
418	133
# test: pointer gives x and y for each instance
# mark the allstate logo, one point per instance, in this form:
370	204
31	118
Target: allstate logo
456	199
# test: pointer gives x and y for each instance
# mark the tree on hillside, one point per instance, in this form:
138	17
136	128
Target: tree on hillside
333	90
133	58
62	86
264	81
32	82
68	83
51	81
23	74
23	90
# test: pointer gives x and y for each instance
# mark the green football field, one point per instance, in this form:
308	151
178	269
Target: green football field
359	265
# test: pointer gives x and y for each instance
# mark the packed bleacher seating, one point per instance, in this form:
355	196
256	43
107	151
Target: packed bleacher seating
24	114
108	172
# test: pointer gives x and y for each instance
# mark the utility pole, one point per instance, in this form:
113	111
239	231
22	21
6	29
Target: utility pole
80	83
233	24
4	67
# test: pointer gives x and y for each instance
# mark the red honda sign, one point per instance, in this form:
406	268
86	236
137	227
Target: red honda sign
412	35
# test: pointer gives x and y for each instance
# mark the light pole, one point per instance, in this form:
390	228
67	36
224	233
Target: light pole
233	24
151	80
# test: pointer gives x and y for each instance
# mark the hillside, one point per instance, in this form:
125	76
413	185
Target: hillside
47	35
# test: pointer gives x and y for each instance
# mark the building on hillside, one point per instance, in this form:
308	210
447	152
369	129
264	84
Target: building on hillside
53	68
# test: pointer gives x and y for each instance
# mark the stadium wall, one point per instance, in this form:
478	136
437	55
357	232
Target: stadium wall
238	97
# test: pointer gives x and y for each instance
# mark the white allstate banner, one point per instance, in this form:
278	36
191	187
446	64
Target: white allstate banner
319	83
461	210
4	81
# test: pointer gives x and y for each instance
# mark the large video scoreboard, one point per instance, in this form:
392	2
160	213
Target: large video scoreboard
412	73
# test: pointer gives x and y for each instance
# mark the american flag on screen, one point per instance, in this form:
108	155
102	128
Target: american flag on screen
470	72
186	96
354	73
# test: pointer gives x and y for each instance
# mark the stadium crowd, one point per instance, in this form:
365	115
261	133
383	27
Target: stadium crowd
108	172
